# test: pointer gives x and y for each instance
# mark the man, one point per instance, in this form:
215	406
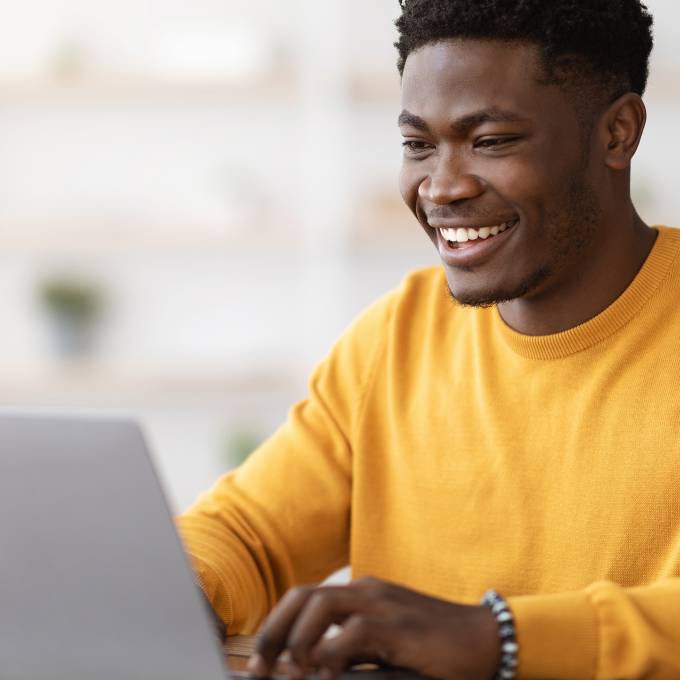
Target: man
524	438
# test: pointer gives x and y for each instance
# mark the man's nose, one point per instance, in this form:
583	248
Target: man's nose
450	182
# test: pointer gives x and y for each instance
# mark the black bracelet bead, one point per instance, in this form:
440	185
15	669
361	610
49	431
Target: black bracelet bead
507	669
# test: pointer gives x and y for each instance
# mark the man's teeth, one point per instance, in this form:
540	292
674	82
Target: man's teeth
465	235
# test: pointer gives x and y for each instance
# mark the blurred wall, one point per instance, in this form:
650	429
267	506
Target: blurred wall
222	174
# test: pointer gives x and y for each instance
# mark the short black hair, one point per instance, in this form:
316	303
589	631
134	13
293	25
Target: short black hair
607	42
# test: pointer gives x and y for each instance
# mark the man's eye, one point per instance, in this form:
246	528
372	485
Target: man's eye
494	142
414	147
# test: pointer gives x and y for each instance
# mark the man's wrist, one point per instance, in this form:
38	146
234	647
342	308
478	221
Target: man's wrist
484	643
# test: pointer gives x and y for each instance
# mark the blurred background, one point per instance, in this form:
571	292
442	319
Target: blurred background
196	198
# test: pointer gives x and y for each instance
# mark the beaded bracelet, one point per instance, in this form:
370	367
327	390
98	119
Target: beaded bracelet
507	670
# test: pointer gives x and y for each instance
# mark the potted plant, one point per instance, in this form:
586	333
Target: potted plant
73	308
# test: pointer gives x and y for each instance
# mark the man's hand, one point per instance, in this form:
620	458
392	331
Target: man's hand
380	623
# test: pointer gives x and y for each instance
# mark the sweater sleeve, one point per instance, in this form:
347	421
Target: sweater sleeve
282	518
605	632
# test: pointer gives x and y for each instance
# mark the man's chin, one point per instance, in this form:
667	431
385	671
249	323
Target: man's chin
492	296
477	299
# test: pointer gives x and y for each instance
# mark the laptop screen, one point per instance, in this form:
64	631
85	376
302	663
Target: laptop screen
93	578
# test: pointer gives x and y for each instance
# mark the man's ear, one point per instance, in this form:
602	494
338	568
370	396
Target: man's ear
622	127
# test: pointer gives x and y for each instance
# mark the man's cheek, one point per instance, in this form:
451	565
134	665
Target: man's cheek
408	187
515	180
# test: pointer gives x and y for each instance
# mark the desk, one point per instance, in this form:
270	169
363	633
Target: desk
237	649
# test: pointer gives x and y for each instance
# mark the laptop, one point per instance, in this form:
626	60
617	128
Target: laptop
94	583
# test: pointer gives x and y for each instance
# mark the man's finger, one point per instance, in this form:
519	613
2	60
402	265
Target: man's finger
324	607
360	639
271	639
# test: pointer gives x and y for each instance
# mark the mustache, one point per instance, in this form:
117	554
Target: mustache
446	212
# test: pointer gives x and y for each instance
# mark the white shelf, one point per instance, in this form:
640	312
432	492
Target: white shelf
90	383
60	238
663	84
279	88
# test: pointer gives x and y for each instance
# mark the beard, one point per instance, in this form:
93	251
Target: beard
572	227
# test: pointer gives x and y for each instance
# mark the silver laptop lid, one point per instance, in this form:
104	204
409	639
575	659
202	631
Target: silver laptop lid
93	581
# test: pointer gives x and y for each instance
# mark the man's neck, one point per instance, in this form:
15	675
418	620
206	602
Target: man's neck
617	259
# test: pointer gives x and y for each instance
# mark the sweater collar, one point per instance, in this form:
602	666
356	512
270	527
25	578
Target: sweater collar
643	287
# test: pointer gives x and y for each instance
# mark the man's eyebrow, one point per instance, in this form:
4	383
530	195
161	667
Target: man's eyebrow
492	115
411	120
465	123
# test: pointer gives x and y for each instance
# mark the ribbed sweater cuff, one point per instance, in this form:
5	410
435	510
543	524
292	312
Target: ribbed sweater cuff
557	636
199	550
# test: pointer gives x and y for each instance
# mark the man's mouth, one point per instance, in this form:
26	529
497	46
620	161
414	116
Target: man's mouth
463	237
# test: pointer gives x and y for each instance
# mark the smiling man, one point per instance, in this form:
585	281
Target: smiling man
507	423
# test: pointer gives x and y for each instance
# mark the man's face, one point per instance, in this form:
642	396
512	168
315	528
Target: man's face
495	169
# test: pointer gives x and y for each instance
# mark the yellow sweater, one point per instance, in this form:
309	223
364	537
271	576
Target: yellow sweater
442	450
